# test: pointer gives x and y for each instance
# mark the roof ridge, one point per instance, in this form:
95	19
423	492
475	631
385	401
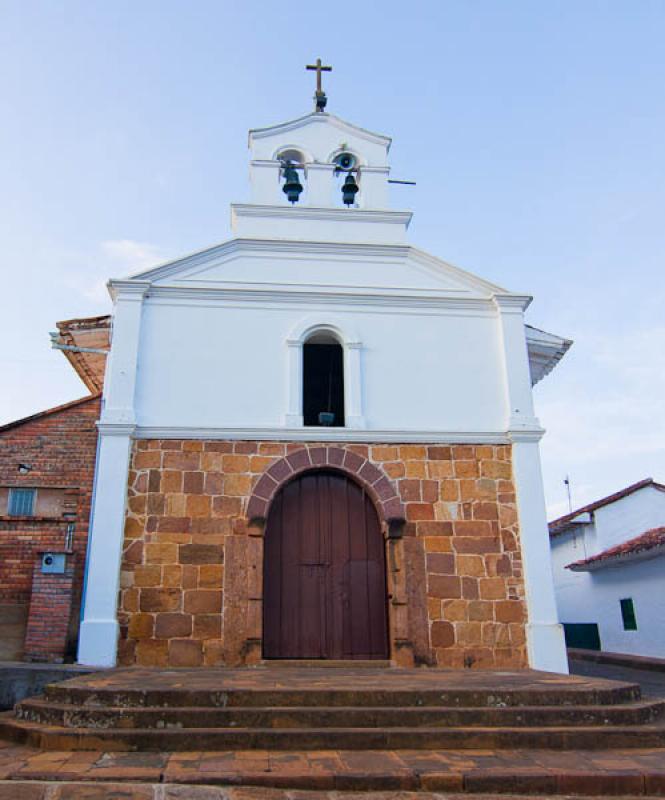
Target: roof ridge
48	411
560	522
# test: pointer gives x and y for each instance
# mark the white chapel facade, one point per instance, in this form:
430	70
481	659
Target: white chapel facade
318	441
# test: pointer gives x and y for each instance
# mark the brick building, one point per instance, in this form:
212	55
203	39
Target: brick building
318	441
46	476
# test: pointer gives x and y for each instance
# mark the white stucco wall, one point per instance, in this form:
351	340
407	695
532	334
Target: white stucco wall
204	365
593	597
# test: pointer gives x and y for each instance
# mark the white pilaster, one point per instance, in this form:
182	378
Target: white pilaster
353	385
545	641
544	634
121	371
294	414
98	638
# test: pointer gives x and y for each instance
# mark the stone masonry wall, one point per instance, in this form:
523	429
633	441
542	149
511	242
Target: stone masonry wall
191	578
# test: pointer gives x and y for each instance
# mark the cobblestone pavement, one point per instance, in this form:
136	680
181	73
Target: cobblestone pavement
635	773
651	682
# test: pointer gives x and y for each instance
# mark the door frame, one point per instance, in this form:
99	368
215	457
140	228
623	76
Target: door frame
391	514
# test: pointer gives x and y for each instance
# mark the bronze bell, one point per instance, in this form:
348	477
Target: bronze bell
292	186
349	190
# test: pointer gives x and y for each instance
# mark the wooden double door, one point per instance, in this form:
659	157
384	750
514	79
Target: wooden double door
324	572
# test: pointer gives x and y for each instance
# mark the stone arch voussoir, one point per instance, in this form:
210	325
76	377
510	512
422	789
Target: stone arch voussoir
373	479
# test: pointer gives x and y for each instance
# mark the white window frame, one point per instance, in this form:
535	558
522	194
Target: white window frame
352	347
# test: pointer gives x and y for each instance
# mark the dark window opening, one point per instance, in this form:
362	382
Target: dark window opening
22	502
323	384
628	614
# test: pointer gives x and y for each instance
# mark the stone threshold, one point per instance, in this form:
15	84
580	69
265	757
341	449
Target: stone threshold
637	773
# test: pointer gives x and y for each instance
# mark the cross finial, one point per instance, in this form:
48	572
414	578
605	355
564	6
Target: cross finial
320	97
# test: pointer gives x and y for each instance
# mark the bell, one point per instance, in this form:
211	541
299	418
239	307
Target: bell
292	186
349	190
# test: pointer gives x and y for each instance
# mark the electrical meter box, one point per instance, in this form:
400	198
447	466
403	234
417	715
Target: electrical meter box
53	563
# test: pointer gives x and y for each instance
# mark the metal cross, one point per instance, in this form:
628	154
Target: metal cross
319	69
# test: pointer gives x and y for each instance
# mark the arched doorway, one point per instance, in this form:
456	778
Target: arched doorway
324	572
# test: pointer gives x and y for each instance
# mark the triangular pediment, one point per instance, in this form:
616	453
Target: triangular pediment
318	266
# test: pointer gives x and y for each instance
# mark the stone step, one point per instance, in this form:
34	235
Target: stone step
583	695
104	717
308	739
317	663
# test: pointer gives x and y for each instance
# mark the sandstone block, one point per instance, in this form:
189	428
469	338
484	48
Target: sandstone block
171	576
454	610
496	469
237	485
161	553
147	575
441	563
168	626
207	626
444	586
185	653
443	634
235	464
471	565
182	460
438	453
384	453
394	469
198	505
466	468
509	611
141	626
201	554
152	653
203	601
160	599
211	576
415	469
192	482
492	588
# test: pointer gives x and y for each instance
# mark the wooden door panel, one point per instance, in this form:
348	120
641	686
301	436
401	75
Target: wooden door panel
324	572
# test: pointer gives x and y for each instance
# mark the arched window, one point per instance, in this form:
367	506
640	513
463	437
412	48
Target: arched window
323	381
324	364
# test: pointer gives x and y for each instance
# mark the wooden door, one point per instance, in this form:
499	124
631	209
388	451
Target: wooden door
324	572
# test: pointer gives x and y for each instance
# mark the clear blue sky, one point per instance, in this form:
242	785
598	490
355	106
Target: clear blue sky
534	131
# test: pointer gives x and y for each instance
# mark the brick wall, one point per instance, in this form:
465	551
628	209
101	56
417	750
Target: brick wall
191	575
60	446
50	610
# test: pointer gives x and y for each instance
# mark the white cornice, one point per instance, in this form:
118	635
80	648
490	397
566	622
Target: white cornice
312	213
309	295
128	289
318	118
313	434
508	302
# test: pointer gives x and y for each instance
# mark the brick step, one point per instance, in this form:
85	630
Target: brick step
106	717
611	693
294	739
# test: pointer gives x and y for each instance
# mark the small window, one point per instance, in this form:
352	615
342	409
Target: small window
22	502
628	614
323	382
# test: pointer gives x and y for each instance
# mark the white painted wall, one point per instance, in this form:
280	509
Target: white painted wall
594	596
226	366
